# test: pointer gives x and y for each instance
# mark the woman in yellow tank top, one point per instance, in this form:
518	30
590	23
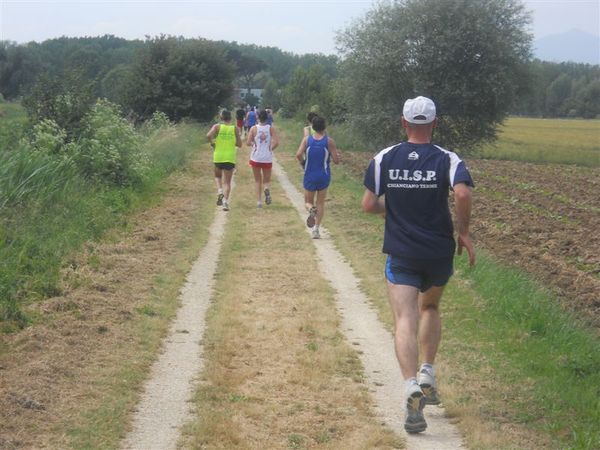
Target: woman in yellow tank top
224	138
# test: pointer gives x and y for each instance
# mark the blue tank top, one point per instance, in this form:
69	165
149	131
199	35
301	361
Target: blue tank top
251	118
317	156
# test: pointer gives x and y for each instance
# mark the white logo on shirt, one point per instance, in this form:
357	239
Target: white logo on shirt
415	175
413	156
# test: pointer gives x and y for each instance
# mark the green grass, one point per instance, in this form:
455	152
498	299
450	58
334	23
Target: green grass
525	336
13	121
546	364
48	211
547	141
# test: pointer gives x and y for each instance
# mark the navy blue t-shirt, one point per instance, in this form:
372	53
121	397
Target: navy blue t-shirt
415	179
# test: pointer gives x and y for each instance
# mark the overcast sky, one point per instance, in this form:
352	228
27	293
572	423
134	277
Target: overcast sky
306	26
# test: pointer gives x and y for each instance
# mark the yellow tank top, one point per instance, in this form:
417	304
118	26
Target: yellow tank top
225	150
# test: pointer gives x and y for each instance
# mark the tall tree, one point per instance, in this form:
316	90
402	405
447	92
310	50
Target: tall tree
182	78
469	56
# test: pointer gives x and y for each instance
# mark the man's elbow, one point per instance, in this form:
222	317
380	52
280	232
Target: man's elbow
462	194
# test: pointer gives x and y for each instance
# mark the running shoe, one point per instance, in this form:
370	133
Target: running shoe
427	383
415	402
312	216
225	205
258	205
267	196
316	234
220	199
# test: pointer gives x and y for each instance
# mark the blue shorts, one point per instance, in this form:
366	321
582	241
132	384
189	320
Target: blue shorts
420	273
316	183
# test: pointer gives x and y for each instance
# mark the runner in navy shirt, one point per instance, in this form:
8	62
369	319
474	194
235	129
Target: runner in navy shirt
416	177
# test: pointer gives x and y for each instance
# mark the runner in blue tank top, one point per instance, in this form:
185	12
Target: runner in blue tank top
317	152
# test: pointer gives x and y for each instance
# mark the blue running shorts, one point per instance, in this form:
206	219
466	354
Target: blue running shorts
420	273
316	183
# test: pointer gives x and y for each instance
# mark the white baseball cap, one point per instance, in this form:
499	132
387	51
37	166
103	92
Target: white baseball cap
419	110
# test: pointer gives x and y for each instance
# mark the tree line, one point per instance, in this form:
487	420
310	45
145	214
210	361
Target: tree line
472	57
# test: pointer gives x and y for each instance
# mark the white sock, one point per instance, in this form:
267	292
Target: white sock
409	382
429	368
220	191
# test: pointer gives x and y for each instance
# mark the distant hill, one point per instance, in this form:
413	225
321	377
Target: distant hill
575	46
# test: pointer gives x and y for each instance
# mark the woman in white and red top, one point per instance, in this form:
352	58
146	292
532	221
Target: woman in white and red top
263	140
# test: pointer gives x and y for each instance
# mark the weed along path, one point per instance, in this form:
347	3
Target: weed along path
373	343
164	406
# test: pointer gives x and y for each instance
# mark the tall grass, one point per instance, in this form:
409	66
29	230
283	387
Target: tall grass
13	122
48	210
527	338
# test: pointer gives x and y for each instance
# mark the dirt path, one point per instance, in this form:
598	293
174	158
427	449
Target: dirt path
163	408
362	328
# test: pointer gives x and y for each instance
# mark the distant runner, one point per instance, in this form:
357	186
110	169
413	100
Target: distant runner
240	114
415	177
263	140
316	151
224	138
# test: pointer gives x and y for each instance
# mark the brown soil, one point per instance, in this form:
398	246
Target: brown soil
543	218
55	369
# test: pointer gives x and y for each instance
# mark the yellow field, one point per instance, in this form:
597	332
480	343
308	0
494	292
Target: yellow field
547	140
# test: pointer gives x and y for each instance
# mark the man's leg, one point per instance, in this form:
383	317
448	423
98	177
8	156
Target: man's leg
321	195
227	176
430	334
219	183
404	304
218	177
430	324
309	199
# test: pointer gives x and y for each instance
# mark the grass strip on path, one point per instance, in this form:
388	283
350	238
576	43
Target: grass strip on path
278	372
514	370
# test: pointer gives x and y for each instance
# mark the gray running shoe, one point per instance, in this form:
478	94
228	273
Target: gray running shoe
415	402
316	234
268	196
220	199
427	383
225	206
312	217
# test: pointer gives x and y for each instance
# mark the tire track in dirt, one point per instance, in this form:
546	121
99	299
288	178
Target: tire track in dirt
374	344
164	406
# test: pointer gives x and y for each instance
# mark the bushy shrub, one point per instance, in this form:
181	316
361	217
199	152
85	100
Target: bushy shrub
110	150
48	138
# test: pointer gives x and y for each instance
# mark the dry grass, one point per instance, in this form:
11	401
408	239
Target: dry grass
70	380
278	373
572	141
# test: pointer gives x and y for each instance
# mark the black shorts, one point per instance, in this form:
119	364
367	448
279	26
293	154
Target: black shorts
225	166
420	273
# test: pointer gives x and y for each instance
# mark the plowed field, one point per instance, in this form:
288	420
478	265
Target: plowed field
542	218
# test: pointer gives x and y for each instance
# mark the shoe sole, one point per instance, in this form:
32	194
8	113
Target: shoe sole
416	403
267	197
431	397
220	200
